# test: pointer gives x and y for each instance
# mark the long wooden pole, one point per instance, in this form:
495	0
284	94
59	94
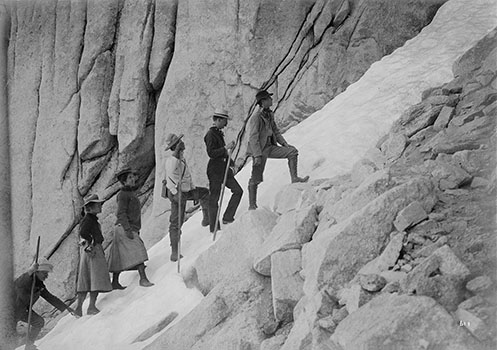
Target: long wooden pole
7	329
222	193
31	297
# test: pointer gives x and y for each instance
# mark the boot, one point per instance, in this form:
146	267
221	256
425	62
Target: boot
292	166
144	282
205	212
252	191
174	252
115	281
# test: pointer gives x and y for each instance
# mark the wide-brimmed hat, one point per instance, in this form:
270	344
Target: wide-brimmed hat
126	170
221	113
262	94
44	265
172	139
92	198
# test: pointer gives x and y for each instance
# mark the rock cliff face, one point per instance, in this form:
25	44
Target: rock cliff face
399	254
96	85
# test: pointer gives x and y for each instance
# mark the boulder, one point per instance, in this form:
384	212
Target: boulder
416	118
410	215
354	297
372	187
401	322
394	145
443	118
286	283
474	324
479	284
294	196
440	276
232	256
447	175
372	282
335	257
388	257
293	229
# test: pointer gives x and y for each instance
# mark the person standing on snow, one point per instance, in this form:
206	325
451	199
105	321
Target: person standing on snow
128	251
263	139
218	154
177	172
93	275
22	288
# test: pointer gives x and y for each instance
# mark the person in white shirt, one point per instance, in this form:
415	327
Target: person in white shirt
177	172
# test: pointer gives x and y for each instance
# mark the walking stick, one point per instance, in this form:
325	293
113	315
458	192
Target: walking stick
180	218
222	193
32	293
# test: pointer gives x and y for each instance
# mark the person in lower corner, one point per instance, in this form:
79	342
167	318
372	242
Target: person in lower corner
218	154
128	251
177	172
93	276
263	139
22	288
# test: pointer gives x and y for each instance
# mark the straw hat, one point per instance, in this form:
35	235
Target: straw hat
172	139
92	198
221	113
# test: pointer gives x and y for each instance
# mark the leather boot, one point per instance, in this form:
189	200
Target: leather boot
174	252
252	191
144	282
204	204
292	166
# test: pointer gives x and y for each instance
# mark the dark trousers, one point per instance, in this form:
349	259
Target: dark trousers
215	187
197	194
37	324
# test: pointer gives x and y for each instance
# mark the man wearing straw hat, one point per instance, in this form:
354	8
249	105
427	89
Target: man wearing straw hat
263	139
127	251
22	286
177	172
218	154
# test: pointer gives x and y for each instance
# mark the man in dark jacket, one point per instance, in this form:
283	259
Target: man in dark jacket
264	137
22	287
218	154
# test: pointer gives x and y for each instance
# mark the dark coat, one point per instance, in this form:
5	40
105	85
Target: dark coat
22	287
128	210
214	142
261	127
90	229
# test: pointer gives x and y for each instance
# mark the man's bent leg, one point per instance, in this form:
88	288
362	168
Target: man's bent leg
236	197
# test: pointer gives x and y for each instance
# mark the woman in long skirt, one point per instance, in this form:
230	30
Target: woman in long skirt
93	274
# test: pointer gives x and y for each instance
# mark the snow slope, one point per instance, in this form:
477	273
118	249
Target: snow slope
330	142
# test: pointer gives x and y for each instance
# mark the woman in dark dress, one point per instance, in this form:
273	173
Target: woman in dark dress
93	274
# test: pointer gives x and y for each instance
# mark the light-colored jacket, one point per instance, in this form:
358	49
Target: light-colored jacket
175	168
261	126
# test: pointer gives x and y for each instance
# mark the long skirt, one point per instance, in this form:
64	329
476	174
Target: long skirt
93	273
125	253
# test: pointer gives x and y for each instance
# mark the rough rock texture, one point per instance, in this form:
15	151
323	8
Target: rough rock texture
239	244
400	321
294	228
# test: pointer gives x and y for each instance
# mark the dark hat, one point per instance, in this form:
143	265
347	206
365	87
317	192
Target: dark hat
262	94
92	198
221	113
125	171
172	139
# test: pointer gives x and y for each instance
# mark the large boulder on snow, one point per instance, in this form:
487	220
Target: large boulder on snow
406	322
333	258
232	256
